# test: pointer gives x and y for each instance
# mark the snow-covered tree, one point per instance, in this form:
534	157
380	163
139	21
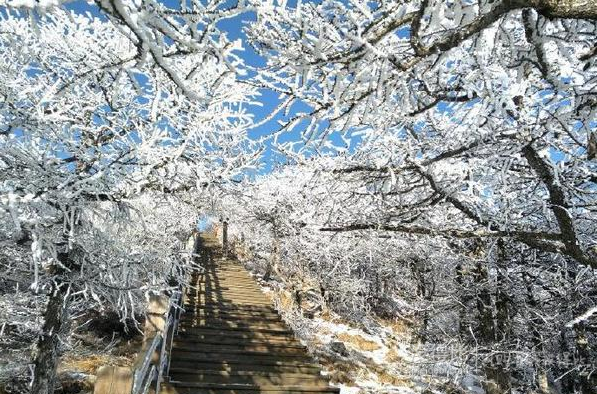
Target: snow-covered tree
486	108
93	114
492	304
458	151
463	127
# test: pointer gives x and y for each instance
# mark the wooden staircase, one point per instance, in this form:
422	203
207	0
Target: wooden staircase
231	340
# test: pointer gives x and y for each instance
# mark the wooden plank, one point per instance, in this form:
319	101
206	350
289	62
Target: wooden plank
224	339
235	366
175	389
250	358
234	331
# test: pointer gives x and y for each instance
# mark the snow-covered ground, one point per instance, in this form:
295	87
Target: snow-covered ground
358	360
375	357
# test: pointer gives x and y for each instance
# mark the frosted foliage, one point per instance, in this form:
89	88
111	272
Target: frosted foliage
102	142
372	250
440	164
444	175
469	116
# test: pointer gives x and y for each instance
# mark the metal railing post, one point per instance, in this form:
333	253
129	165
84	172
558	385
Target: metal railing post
225	237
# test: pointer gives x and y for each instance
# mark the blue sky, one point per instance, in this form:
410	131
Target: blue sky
268	100
233	27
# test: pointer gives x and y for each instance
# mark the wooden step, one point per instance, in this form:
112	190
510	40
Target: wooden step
214	294
232	314
194	321
240	357
238	348
216	290
259	298
234	331
230	305
243	358
218	319
191	317
233	307
244	290
246	377
236	325
189	390
236	283
224	263
248	338
230	301
218	271
222	279
219	362
206	347
220	290
233	304
233	366
222	317
230	286
219	274
191	387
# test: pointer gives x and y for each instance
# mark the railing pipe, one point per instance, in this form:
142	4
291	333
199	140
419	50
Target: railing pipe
141	375
153	369
153	364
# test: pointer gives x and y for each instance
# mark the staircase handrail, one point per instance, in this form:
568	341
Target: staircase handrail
155	363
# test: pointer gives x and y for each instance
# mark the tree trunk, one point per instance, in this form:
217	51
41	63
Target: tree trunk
464	312
425	291
542	378
587	377
575	9
484	331
46	359
503	323
497	377
273	263
566	383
